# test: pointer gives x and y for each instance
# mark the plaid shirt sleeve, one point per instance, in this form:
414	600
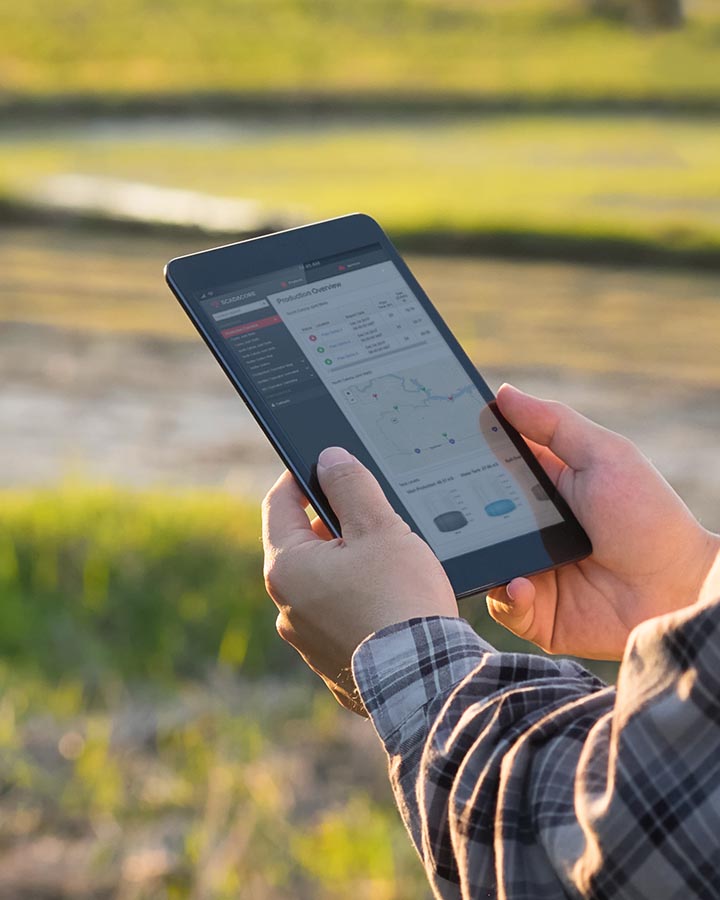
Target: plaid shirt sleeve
526	778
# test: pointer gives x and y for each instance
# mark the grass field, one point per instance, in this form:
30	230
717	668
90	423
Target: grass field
155	731
221	791
645	180
531	48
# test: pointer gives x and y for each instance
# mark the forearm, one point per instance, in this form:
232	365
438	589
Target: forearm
526	776
649	807
404	680
449	709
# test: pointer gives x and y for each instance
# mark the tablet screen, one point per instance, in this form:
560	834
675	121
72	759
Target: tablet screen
345	336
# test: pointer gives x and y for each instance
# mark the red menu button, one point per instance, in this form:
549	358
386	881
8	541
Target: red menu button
250	326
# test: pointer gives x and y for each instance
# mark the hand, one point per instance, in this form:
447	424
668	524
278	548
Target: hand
333	592
650	555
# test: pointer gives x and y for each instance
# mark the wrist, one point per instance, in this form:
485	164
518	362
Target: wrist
402	668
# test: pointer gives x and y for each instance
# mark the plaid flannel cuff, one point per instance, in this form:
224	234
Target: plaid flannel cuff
401	668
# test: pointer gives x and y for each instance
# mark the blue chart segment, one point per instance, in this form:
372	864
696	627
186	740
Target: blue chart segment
419	417
500	507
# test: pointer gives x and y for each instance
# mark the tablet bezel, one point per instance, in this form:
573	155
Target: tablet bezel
470	573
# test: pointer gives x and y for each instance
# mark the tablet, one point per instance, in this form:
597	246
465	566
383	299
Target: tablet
331	341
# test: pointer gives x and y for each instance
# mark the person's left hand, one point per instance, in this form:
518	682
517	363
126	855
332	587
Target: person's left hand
333	592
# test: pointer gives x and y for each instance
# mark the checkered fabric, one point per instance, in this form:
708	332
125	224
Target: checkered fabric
526	778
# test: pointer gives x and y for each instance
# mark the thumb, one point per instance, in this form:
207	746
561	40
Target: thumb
577	441
513	606
354	494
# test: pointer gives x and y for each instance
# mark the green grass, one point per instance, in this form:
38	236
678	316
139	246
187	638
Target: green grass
150	715
530	48
153	586
228	791
641	181
103	583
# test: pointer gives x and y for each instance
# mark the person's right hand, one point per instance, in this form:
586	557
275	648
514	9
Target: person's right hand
650	555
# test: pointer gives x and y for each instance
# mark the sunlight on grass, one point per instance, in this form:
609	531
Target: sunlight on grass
169	574
512	47
354	844
210	790
640	180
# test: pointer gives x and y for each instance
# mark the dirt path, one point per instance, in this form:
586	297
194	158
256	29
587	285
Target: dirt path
103	379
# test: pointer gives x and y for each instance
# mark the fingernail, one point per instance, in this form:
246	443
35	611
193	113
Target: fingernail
506	384
510	594
334	456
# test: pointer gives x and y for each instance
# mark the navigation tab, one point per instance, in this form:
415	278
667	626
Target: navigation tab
340	263
250	326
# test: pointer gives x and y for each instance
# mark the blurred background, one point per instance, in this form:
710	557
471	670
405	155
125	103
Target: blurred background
550	168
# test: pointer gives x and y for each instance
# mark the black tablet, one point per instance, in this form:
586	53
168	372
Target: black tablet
330	341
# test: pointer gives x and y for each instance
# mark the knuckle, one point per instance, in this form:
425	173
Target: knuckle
381	527
404	530
493	612
392	521
616	448
266	504
558	408
272	572
269	498
282	627
625	444
561	417
269	579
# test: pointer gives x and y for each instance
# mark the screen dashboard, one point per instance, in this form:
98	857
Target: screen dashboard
343	342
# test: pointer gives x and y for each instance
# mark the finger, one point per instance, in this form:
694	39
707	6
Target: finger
513	606
553	466
321	529
354	494
574	439
284	520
